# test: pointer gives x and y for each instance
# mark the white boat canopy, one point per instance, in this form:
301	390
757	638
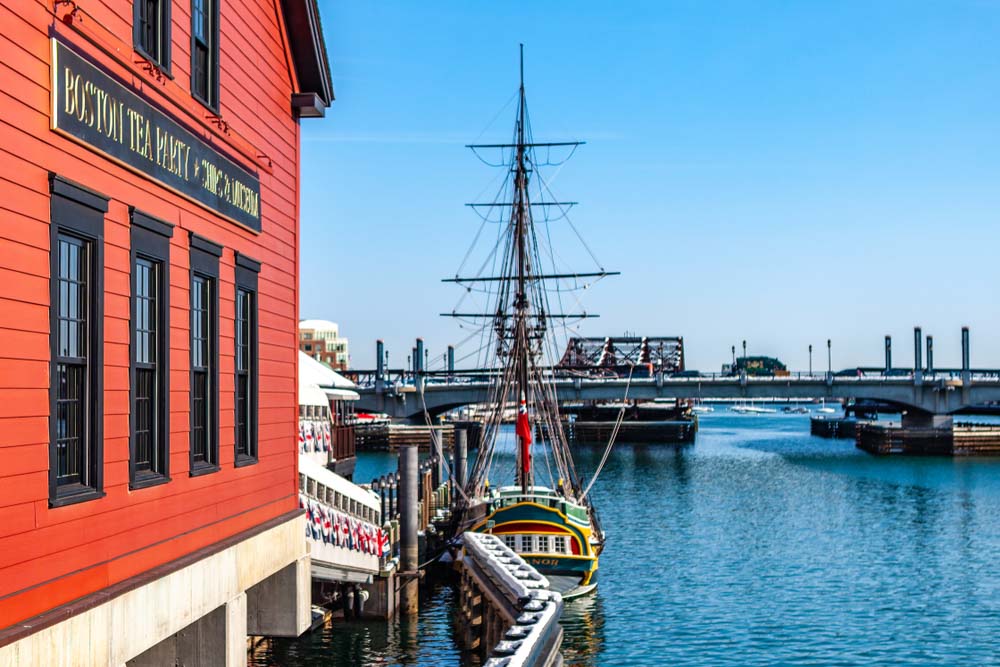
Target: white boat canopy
311	394
326	380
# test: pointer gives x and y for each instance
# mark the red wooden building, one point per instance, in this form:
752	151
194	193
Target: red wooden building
149	244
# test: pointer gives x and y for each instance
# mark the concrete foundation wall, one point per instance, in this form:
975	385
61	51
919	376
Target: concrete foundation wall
200	604
383	597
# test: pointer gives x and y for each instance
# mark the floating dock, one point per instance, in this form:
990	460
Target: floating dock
834	427
643	422
962	439
665	432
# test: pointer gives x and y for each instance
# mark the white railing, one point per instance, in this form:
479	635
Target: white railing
535	637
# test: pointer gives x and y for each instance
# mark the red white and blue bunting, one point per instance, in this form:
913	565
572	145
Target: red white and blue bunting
315	436
329	526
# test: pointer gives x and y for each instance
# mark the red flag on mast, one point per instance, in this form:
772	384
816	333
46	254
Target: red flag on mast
523	430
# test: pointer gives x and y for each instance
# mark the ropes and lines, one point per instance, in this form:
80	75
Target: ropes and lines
614	434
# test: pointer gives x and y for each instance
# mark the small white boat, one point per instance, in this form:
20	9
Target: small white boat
824	409
702	409
751	409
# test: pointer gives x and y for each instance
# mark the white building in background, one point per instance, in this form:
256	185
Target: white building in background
321	340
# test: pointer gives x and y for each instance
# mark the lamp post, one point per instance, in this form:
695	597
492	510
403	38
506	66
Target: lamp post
810	360
829	357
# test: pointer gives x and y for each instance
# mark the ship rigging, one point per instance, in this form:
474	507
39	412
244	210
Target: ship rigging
523	289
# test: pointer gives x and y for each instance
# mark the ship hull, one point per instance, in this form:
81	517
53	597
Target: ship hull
557	545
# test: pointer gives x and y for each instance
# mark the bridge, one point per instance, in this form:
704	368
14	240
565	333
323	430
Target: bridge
926	395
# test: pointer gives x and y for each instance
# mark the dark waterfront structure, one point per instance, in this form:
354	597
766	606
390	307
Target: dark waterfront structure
833	427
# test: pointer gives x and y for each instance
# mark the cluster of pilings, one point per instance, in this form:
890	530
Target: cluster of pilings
414	498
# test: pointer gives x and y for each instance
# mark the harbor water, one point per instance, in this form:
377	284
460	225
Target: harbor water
757	545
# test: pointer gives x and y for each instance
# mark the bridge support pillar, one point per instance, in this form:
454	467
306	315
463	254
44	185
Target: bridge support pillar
930	355
408	548
888	353
966	358
379	366
918	364
418	365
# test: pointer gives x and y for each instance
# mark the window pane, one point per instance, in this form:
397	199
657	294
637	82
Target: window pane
202	371
242	415
70	427
145	420
199	442
71	294
146	294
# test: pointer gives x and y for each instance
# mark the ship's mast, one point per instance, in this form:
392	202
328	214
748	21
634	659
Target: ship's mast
517	306
521	299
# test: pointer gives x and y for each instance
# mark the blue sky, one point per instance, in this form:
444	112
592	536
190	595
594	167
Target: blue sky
780	172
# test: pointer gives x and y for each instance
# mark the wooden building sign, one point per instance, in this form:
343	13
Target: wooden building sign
92	108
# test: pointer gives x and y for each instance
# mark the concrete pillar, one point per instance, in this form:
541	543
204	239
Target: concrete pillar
418	357
218	639
408	548
918	344
437	447
461	456
379	365
451	361
966	356
888	353
930	355
279	606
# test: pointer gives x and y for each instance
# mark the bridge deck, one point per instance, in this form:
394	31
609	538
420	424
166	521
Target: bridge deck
937	393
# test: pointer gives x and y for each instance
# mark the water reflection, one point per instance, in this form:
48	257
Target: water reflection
583	630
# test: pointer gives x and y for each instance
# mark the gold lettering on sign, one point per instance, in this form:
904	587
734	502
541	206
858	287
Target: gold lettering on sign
172	154
93	106
96	110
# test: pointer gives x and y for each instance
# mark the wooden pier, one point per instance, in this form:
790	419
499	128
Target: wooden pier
963	439
506	611
391	437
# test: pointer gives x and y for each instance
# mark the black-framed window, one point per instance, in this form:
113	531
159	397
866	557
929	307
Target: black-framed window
205	51
149	368
151	31
204	320
246	360
76	340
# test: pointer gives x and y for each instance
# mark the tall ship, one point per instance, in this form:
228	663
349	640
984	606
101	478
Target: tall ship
537	504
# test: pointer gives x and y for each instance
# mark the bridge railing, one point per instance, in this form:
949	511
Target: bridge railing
395	379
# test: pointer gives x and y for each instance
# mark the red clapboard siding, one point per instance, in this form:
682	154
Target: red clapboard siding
49	556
